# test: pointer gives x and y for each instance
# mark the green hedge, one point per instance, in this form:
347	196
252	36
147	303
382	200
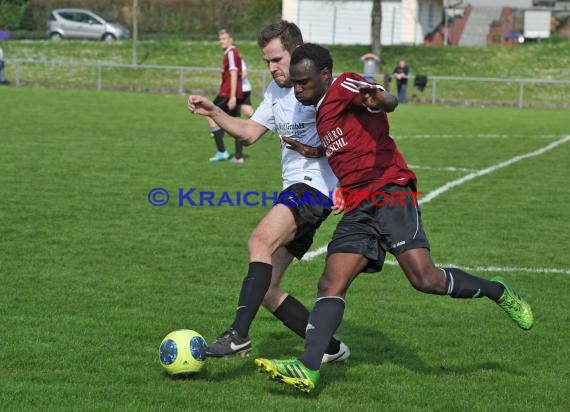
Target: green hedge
181	17
11	14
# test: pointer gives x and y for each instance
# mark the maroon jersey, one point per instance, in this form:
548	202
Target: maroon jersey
357	140
231	62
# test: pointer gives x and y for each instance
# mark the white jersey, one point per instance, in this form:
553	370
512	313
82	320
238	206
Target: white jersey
281	112
245	84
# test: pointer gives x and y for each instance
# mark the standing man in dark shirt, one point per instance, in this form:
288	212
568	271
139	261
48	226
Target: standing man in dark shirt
401	75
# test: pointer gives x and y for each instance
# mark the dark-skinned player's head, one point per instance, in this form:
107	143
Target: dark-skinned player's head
311	73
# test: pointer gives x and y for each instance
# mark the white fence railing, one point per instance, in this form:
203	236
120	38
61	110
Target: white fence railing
112	76
551	92
204	80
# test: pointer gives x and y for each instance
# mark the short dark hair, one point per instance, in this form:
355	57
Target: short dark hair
288	32
320	56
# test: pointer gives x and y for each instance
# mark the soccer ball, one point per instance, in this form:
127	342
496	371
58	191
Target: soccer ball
182	352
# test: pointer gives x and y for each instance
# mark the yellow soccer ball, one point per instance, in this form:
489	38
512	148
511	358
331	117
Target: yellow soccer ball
182	352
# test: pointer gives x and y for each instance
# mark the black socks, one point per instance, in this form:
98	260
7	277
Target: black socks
239	150
253	289
295	316
462	285
323	322
218	134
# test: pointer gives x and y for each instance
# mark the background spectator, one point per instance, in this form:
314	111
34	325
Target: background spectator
2	80
401	75
370	62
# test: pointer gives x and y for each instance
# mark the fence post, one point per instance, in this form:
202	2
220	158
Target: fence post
18	73
99	76
521	94
181	82
433	91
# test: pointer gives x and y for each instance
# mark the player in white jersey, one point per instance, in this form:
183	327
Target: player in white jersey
287	230
245	102
281	112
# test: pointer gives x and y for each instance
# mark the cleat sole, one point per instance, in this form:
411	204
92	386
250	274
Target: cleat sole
275	376
244	353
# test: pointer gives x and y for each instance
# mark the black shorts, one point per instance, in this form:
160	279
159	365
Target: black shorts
246	99
222	103
371	230
310	208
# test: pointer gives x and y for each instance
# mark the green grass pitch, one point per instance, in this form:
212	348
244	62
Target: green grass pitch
92	277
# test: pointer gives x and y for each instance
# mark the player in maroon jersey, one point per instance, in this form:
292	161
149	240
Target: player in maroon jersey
353	127
228	97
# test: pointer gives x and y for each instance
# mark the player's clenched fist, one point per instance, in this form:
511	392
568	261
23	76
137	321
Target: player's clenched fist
375	98
368	94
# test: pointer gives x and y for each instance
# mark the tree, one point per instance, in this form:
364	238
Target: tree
135	30
376	29
28	21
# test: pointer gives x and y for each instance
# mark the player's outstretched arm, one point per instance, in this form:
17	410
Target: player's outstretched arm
303	149
375	98
245	131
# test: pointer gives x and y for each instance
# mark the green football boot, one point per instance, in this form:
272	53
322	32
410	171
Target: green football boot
515	306
292	372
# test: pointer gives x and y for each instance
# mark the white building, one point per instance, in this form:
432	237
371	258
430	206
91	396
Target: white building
404	22
348	21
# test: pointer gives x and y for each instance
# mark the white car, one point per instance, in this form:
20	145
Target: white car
83	24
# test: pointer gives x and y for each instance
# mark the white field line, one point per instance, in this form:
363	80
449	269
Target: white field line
311	254
442	189
444	169
475	136
393	262
507	269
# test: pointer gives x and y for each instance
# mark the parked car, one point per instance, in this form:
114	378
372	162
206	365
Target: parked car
83	24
